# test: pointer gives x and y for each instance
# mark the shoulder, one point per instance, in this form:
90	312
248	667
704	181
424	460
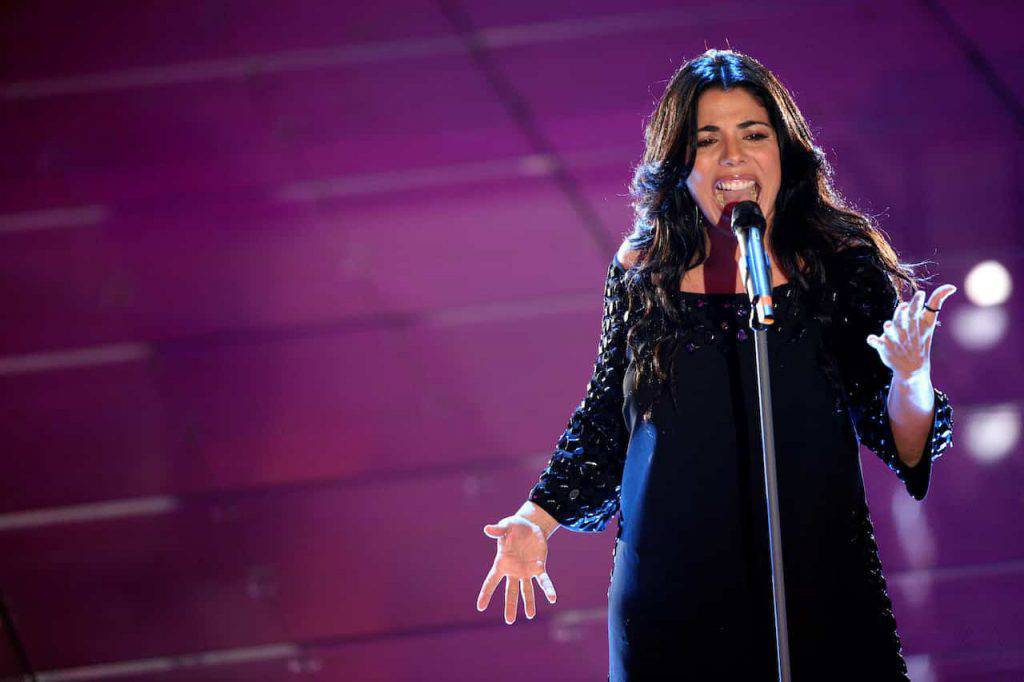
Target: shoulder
863	286
626	256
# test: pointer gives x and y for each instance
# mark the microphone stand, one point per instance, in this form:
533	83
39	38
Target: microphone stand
748	224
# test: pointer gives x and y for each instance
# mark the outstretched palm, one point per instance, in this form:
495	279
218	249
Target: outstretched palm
521	556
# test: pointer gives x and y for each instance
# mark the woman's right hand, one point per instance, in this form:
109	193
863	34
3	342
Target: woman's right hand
521	556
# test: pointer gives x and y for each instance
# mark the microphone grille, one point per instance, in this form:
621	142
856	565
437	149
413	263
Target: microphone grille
747	214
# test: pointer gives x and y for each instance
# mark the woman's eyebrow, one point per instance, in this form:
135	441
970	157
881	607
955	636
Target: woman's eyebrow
745	124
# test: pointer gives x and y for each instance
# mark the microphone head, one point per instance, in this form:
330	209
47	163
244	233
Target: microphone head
747	214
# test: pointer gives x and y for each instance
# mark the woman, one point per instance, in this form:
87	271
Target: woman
668	434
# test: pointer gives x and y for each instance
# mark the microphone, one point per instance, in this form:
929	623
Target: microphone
749	225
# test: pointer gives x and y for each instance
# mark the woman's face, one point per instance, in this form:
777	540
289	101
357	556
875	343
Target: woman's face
737	154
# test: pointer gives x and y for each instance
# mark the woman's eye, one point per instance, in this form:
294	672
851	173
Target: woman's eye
708	141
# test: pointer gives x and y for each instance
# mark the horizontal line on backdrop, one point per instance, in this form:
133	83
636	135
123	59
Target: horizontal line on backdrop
92	511
996	660
232	68
47	218
473	313
106	510
166	504
471	470
357	184
1008	567
237	68
303	654
511	310
71	358
527	166
560	628
163	664
516	309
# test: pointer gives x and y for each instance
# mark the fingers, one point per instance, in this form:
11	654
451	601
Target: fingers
487	589
940	295
529	603
513	587
890	333
912	319
549	590
511	599
493	530
936	301
902	321
916	308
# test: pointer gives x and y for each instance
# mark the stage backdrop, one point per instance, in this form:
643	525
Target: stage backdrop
296	296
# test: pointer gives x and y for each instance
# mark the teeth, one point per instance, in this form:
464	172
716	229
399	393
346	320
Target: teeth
734	184
722	186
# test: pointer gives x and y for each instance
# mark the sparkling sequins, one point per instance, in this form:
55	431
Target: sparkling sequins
710	319
865	295
861	535
580	486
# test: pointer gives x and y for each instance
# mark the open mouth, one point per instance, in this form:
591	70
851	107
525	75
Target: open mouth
729	191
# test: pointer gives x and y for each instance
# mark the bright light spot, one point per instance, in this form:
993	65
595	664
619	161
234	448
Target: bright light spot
979	328
921	669
912	529
988	283
992	433
917	541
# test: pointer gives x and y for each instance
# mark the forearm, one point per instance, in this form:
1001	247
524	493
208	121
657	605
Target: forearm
534	513
911	404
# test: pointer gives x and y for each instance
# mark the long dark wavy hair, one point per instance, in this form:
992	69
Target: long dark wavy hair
811	219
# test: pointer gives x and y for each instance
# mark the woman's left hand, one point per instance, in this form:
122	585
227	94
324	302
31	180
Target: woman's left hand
905	345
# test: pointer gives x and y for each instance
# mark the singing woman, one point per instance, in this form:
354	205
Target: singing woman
667	437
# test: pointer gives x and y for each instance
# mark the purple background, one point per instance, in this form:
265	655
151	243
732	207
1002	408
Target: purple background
297	296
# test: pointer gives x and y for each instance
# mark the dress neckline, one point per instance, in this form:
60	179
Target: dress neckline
775	290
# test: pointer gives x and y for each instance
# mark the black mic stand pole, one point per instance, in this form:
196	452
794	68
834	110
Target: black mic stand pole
748	224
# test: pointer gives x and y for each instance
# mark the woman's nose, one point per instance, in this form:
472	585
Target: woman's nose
731	154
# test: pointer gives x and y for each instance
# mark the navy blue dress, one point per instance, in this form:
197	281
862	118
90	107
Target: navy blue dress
690	593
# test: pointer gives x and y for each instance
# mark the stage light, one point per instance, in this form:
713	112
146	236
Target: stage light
979	328
988	283
993	432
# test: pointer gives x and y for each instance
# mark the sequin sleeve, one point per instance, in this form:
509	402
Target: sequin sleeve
580	485
865	299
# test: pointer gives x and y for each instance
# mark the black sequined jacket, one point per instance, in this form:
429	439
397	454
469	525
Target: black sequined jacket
581	484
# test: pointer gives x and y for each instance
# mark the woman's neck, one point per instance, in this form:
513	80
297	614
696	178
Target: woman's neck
720	272
721	269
